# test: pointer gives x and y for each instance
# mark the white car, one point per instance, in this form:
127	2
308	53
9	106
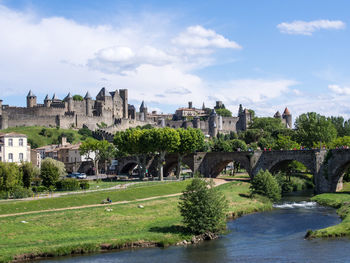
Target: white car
82	176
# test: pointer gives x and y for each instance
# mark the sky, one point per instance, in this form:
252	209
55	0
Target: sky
266	55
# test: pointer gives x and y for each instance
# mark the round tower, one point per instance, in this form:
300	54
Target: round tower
213	124
88	104
287	117
47	102
69	100
196	122
31	100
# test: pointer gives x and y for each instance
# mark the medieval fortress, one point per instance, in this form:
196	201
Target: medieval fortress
110	111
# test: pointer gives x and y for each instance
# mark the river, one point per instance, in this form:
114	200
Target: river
274	236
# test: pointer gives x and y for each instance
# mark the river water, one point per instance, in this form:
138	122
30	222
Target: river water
275	236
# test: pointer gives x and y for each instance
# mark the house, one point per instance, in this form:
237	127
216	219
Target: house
14	148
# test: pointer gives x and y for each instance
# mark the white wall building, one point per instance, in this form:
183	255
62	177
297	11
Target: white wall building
14	148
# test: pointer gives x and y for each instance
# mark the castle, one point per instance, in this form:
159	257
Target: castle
111	112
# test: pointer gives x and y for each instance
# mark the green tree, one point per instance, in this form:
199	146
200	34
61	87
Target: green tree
85	133
238	145
51	171
78	97
339	142
191	140
265	184
97	151
166	140
10	176
285	143
203	207
313	128
266	124
224	112
220	145
29	172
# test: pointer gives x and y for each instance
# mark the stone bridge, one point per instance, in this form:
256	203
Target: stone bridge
327	166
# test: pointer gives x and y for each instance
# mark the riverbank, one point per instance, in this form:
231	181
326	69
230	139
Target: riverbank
341	201
149	223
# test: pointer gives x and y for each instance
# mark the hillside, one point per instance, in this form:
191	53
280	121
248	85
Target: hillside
39	136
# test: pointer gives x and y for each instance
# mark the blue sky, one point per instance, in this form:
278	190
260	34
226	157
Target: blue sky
264	54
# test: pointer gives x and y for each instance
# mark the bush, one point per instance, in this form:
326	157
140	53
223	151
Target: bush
10	176
265	184
68	185
29	172
203	207
21	192
39	189
51	171
84	185
4	195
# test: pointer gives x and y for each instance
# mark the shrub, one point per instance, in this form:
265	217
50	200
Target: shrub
39	189
10	176
51	171
265	184
4	195
203	207
84	185
29	172
21	192
68	185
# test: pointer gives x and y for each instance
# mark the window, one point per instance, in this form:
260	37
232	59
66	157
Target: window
21	156
10	142
10	157
20	142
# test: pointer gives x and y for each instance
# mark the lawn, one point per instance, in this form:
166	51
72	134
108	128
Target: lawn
137	192
340	201
85	230
50	137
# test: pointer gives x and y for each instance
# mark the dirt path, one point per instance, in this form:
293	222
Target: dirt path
217	182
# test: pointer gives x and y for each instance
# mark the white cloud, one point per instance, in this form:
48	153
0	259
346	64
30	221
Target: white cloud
199	40
307	28
339	90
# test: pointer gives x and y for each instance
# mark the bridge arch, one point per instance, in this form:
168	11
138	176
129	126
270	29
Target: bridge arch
127	167
339	163
217	161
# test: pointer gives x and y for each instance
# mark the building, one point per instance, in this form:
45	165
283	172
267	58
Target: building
108	108
14	148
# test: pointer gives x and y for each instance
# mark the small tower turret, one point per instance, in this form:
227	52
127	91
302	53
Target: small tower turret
287	117
88	104
213	124
47	102
143	111
123	93
69	100
31	100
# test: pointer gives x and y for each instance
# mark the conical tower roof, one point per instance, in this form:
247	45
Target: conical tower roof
277	115
87	96
69	96
54	97
30	94
286	111
47	97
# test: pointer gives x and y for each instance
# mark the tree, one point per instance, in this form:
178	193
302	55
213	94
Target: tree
224	112
203	207
265	184
85	133
238	145
267	124
97	151
166	140
78	97
191	140
29	172
339	142
220	145
10	176
51	171
313	128
285	143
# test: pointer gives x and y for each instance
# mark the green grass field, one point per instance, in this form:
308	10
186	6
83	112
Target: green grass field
38	140
136	192
84	230
342	202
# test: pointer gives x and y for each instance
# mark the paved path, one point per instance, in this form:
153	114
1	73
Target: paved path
216	181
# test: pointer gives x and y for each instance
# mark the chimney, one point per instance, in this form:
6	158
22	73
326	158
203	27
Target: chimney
63	141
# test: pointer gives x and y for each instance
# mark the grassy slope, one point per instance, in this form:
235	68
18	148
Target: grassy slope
32	133
133	193
60	233
342	202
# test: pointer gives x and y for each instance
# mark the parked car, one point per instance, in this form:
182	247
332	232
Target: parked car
74	175
82	176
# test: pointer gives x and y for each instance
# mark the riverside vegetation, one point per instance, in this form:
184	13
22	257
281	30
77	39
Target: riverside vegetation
156	223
